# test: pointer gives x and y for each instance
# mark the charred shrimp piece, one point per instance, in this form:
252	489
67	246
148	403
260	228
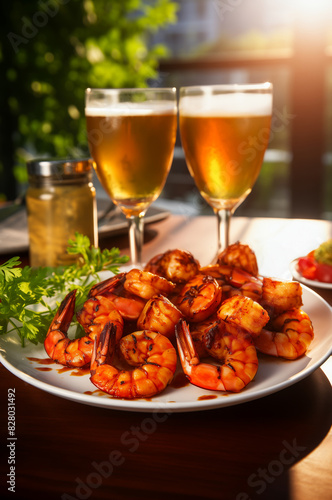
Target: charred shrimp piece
152	355
160	315
280	296
235	281
77	352
234	350
145	284
176	265
239	256
289	335
244	312
199	298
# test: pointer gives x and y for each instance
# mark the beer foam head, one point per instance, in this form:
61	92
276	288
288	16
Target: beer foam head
227	104
130	108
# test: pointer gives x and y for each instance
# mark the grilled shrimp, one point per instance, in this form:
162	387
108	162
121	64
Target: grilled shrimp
245	313
96	312
152	353
235	281
288	335
231	346
146	284
76	352
177	266
198	332
280	296
199	298
129	305
160	315
240	256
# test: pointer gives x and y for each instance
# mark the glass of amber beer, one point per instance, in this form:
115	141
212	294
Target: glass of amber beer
224	133
131	135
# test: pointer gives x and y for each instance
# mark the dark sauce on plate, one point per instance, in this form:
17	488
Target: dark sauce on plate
205	398
75	372
42	361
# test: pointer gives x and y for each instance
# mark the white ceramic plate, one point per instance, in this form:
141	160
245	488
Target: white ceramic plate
298	277
273	374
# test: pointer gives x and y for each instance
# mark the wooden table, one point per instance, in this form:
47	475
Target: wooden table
277	447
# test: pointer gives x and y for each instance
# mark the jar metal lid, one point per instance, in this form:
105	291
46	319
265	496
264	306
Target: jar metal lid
49	167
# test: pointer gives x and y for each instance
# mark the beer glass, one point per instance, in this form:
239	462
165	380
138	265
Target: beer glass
131	136
224	133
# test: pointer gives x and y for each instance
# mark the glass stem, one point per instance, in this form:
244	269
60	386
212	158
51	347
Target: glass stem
136	236
224	219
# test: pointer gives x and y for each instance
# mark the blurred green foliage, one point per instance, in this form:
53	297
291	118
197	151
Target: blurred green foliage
50	52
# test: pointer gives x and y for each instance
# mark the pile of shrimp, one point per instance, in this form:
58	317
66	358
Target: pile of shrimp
214	318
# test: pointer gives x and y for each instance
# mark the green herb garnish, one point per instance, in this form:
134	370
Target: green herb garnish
21	290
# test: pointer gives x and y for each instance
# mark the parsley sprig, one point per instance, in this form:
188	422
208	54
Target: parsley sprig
30	297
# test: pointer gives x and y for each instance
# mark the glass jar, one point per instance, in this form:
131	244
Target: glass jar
61	200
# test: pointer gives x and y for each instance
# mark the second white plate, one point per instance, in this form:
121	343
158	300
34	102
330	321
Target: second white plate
298	277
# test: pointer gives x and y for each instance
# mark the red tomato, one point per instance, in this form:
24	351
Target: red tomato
312	270
307	267
324	273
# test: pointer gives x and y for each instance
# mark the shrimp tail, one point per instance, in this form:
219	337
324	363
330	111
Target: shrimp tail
103	346
102	374
186	348
64	314
107	285
60	324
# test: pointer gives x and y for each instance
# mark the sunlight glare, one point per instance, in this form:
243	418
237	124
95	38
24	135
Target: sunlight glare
312	10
